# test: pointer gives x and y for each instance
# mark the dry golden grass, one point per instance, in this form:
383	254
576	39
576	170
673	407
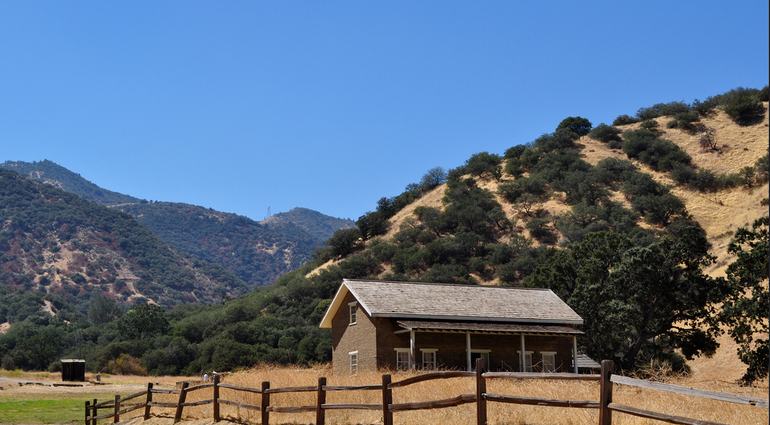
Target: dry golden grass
439	389
432	199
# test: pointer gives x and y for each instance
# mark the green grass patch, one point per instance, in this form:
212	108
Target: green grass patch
51	410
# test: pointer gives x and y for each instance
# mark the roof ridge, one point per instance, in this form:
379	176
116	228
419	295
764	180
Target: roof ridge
471	285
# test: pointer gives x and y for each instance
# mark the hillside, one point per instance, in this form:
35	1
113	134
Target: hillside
621	221
55	175
509	220
61	248
255	252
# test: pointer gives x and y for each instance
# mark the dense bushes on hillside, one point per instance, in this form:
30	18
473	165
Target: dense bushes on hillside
659	154
625	120
484	164
607	134
743	105
578	125
688	121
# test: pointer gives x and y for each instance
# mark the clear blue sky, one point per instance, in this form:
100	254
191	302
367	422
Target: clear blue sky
329	104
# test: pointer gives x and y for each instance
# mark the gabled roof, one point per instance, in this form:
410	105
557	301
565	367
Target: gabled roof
446	301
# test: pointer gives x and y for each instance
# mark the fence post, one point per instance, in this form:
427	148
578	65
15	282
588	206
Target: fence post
481	389
605	393
94	412
320	414
180	403
116	417
215	398
387	400
88	410
265	403
148	402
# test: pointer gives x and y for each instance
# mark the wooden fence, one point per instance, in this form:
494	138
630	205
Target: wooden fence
481	397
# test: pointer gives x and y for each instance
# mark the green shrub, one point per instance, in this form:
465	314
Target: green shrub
513	191
607	134
662	109
344	242
484	164
659	154
559	140
514	164
763	94
541	231
515	152
743	106
625	120
651	125
687	121
578	125
705	108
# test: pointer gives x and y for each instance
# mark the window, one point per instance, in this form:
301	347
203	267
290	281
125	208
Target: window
353	360
402	359
476	354
429	358
353	309
527	360
549	361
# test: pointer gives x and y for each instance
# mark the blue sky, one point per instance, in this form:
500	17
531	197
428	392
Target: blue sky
330	105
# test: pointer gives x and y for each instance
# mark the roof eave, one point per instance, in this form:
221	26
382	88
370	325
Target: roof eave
478	318
342	291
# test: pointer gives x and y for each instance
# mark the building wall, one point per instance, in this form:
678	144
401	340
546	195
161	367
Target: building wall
360	337
375	340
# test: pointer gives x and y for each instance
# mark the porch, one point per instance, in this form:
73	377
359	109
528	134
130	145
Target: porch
457	345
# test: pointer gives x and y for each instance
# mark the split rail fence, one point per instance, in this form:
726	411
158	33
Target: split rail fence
481	397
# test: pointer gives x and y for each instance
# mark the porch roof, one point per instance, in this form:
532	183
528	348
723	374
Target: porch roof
497	328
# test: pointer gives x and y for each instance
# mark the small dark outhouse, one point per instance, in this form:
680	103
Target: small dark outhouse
73	370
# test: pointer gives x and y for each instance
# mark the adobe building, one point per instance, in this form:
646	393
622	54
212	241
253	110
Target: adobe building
427	326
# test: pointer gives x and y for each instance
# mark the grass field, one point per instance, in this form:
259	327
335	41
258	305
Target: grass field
46	406
499	414
41	409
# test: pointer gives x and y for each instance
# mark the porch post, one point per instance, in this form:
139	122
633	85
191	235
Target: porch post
468	350
574	354
523	355
411	350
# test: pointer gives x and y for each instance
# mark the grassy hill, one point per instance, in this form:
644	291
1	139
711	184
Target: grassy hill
255	252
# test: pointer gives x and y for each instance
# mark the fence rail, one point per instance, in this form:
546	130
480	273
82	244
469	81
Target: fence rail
605	405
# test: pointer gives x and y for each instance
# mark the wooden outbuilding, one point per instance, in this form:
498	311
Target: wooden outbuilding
413	325
73	370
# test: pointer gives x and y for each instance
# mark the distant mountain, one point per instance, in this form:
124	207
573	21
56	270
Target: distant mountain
318	225
60	247
54	174
255	252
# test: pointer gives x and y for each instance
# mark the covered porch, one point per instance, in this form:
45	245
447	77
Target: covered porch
456	345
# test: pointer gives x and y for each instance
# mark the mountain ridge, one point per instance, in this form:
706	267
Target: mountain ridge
255	251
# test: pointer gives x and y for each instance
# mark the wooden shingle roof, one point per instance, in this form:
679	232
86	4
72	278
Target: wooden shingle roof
435	301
